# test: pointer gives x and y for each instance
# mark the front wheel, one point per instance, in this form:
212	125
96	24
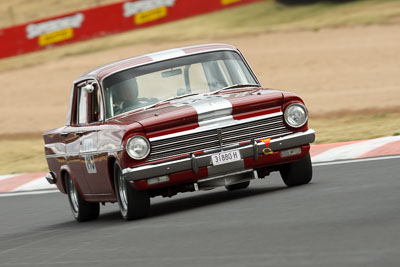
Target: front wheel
298	172
81	209
133	204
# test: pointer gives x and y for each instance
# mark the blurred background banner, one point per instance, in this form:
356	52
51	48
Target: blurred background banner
101	21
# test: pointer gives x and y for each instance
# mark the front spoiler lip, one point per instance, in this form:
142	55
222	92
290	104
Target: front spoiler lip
195	162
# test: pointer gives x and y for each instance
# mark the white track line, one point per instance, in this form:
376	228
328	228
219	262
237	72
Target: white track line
355	150
3	177
39	183
354	160
314	165
29	193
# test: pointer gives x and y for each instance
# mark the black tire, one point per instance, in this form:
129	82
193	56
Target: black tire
233	187
132	203
298	172
81	209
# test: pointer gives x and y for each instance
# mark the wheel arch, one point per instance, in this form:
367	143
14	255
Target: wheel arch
64	172
63	175
110	169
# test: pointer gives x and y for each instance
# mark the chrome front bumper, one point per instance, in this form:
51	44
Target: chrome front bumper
195	162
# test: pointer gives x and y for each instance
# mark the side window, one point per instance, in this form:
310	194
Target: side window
96	107
82	106
89	108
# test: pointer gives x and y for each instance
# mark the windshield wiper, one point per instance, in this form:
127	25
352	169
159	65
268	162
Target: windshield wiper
236	85
168	99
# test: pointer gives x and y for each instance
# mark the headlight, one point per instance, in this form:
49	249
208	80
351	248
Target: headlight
138	147
296	115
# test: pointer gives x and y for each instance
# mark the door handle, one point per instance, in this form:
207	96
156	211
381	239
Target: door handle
80	133
64	134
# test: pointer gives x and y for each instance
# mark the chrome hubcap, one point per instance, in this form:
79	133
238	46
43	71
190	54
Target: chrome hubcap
122	192
73	192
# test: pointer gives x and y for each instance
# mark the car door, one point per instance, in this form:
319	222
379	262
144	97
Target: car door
93	156
72	137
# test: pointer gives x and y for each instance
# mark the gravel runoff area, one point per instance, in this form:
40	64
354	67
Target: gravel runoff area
334	70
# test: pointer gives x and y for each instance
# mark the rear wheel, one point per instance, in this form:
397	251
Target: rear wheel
298	172
238	186
133	204
81	209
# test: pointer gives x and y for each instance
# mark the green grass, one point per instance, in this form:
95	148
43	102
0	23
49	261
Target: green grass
26	153
22	154
355	127
261	17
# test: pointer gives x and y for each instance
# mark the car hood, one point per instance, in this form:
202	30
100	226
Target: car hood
200	110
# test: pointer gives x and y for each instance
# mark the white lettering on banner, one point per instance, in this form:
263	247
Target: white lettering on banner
132	8
38	29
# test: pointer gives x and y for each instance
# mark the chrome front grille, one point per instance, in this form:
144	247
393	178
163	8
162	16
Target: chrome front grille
270	127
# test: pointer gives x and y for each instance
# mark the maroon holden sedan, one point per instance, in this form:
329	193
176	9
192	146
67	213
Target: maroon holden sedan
179	120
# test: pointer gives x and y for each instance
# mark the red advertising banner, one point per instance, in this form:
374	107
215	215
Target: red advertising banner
101	21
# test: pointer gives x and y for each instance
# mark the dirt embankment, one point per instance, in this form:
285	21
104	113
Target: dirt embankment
334	70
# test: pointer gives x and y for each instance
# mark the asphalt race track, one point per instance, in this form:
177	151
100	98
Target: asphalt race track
348	216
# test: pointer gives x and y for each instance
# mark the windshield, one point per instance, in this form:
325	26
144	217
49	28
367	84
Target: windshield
149	84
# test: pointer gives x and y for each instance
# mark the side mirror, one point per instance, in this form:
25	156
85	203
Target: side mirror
89	88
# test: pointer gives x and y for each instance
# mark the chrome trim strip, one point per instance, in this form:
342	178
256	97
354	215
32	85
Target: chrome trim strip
169	167
221	148
213	135
213	127
247	134
86	153
229	131
166	54
94	153
55	156
150	167
176	148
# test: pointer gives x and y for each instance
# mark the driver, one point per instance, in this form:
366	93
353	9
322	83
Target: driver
125	95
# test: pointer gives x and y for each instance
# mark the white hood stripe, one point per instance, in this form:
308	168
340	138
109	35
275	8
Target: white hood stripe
210	109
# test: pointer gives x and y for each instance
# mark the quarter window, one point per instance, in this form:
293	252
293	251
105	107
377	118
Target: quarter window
82	108
89	105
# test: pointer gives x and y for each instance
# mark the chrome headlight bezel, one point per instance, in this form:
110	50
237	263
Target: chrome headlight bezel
289	111
144	142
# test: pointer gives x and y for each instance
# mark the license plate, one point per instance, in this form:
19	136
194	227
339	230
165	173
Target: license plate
225	157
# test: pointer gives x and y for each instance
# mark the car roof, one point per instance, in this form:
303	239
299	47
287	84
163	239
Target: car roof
103	71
